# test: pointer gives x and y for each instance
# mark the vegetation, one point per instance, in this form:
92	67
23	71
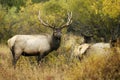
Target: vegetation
96	18
60	67
91	17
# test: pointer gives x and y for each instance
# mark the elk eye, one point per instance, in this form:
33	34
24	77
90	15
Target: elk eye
55	31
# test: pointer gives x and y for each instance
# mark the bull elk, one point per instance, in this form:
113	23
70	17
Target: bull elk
37	45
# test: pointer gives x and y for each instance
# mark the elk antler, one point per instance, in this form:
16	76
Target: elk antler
44	23
69	21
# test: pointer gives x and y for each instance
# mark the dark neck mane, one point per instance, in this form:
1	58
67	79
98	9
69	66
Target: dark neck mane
55	44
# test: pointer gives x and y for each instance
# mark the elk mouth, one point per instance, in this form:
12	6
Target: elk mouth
57	38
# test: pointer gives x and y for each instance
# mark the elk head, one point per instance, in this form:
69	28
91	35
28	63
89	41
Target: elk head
57	31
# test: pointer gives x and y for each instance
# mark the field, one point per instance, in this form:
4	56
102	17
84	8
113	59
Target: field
79	22
58	66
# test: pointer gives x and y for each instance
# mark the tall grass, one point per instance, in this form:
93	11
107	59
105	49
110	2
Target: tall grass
60	67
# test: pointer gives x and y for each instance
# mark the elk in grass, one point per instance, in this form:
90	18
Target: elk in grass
37	45
101	48
88	49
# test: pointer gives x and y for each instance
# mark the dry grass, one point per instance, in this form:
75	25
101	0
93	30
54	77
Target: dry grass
59	67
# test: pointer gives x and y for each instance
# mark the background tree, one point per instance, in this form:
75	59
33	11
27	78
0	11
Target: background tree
96	18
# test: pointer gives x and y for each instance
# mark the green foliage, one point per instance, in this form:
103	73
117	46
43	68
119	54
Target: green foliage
37	1
11	3
91	17
111	8
56	11
8	20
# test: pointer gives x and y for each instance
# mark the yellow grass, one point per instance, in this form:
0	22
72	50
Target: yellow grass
60	67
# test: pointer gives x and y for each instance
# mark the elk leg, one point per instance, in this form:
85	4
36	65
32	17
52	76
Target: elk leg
14	62
13	54
16	56
15	59
40	57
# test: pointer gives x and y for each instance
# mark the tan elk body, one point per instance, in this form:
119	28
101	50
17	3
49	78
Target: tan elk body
92	48
30	43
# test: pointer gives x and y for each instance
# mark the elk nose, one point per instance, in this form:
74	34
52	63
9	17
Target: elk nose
59	34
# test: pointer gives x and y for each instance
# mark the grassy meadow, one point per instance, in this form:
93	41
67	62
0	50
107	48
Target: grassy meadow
97	19
60	67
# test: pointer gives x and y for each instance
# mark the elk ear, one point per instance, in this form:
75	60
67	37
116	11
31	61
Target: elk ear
69	21
83	48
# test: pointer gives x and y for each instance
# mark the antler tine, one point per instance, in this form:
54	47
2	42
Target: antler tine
43	23
69	20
